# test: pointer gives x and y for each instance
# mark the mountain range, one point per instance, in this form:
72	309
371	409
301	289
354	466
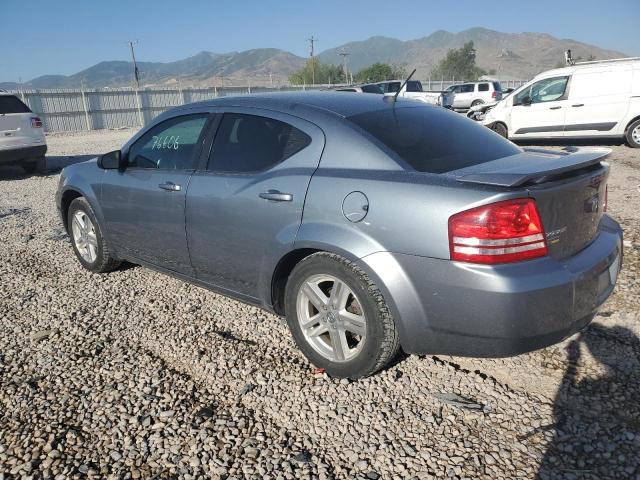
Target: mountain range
510	55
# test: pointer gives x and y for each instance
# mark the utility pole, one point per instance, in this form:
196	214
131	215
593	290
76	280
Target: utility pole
344	56
312	42
136	73
136	77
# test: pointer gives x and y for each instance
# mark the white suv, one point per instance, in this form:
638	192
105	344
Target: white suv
590	99
21	135
471	94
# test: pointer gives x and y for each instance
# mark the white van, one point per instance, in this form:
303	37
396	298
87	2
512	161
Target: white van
590	99
22	139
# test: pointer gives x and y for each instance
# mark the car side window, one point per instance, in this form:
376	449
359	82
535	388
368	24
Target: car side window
483	87
393	86
466	88
547	90
251	143
171	145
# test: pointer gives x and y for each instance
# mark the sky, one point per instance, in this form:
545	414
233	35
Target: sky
65	36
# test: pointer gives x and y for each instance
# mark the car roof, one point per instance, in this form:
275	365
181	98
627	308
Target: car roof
343	104
578	67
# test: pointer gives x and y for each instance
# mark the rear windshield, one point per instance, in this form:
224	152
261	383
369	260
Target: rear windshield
11	104
432	139
414	86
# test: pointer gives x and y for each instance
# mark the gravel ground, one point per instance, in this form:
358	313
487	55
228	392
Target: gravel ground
137	375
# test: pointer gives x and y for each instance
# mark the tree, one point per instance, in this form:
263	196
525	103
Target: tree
379	72
459	63
322	72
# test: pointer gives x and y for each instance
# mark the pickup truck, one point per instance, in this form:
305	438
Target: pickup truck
413	90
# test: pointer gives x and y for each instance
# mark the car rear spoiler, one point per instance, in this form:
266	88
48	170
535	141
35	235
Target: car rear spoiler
531	166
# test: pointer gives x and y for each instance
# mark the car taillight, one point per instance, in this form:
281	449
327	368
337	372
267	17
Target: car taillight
502	232
36	122
494	94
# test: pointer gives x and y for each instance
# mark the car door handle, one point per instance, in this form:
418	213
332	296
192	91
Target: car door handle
578	105
276	196
555	108
170	186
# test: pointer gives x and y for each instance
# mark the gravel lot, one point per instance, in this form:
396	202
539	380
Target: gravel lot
136	375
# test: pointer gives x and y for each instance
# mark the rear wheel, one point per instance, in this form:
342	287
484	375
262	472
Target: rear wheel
500	129
88	243
633	134
476	103
338	317
34	165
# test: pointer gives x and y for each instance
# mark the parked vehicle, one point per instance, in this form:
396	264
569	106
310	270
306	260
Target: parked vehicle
471	94
413	90
585	100
21	135
364	88
368	224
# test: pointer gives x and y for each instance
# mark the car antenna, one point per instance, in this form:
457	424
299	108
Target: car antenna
389	98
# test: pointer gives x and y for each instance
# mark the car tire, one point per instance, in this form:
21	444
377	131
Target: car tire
36	165
500	129
476	103
87	240
356	314
632	134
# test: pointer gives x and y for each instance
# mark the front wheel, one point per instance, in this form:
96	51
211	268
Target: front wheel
633	134
339	318
89	245
500	129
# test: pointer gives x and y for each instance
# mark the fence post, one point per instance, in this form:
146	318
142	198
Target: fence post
139	105
441	83
86	109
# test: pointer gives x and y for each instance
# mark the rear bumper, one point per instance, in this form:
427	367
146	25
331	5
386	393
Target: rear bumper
453	308
20	154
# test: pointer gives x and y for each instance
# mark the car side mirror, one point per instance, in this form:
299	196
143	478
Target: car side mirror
112	161
526	101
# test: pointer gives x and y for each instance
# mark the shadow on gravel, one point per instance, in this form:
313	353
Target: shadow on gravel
597	420
53	165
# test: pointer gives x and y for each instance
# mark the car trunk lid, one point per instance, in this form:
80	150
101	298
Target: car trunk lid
569	189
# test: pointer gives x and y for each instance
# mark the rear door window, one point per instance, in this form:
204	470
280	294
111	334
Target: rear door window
428	138
11	104
252	143
483	87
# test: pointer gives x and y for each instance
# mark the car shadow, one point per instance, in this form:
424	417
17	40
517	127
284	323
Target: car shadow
53	165
597	418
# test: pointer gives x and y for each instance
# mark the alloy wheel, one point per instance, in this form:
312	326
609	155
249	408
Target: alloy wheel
84	236
331	318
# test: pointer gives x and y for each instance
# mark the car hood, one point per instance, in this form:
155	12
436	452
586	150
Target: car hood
483	107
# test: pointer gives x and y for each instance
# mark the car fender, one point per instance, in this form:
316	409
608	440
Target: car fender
380	266
79	181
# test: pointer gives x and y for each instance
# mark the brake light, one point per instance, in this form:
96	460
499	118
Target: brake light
502	232
494	94
36	122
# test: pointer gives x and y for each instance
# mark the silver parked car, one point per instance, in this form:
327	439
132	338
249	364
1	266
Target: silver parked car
368	224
